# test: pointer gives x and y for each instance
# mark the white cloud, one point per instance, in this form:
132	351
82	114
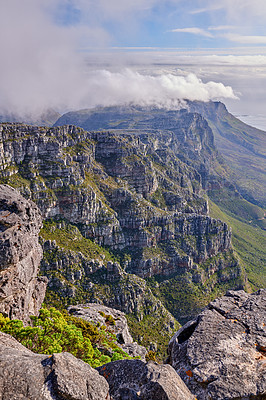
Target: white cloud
221	27
194	31
244	39
236	10
211	7
164	90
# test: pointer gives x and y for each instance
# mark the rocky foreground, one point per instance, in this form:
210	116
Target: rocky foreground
218	356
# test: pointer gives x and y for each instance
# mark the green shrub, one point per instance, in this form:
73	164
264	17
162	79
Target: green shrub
54	331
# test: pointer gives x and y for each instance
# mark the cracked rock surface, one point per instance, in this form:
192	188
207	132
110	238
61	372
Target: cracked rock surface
222	353
25	375
21	290
136	380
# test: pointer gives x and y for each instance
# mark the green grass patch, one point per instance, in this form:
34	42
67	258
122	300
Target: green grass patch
249	243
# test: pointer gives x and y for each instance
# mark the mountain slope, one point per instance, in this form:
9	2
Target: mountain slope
242	146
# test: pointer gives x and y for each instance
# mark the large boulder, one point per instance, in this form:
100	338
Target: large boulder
21	290
98	314
28	376
134	379
222	353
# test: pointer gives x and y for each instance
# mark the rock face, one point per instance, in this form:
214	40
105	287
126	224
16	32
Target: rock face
128	191
134	379
28	376
97	313
21	291
222	353
138	195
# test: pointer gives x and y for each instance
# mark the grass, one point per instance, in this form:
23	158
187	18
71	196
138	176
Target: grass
69	237
249	243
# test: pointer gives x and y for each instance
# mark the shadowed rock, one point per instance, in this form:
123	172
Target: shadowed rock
222	353
21	291
134	379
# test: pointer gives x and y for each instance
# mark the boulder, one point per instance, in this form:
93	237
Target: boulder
134	379
25	375
222	353
21	290
96	313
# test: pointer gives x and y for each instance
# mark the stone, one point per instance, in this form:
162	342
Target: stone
92	312
73	379
222	353
134	379
21	290
25	375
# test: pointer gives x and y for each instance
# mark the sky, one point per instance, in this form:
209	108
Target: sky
72	54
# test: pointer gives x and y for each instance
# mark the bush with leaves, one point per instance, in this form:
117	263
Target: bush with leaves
54	332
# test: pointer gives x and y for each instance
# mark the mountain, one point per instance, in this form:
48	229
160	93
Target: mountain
126	218
242	146
233	177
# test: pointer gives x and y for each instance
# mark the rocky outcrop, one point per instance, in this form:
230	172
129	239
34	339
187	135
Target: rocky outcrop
21	290
25	375
222	353
134	379
99	314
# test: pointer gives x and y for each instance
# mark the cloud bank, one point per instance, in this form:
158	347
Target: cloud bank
42	68
166	90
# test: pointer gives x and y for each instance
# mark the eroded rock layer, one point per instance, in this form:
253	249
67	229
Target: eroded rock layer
21	290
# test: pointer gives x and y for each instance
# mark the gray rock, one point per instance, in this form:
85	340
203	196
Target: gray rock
21	291
134	379
222	353
73	379
92	312
28	376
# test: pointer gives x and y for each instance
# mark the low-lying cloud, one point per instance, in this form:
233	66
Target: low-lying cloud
42	68
166	90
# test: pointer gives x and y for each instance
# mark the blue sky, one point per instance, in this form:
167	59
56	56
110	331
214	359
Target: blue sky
71	54
185	24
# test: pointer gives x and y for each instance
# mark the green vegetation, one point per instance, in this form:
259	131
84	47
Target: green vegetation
235	206
68	237
152	329
184	298
54	332
249	243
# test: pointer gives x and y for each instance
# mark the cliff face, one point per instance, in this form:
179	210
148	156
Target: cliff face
21	291
126	191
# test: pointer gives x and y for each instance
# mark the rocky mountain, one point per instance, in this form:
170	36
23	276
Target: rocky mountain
22	291
242	146
129	192
233	177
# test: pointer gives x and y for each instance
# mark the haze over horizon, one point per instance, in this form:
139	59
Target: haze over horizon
72	54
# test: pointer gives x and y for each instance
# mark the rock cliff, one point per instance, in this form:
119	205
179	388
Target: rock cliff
21	290
129	192
120	207
222	353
